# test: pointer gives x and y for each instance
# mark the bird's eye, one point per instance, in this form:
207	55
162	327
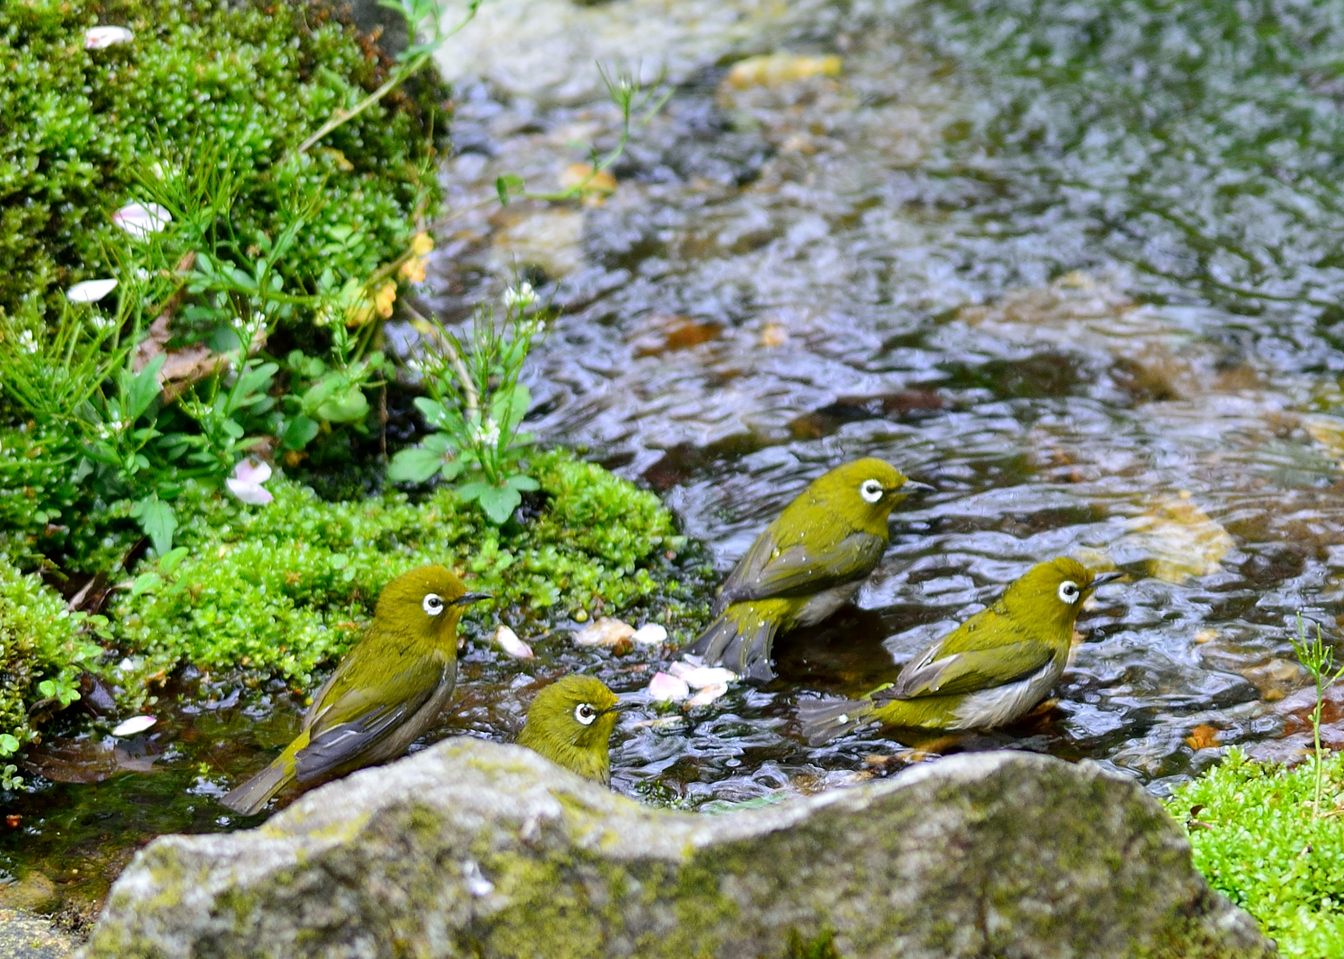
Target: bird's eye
432	604
1068	591
871	490
585	713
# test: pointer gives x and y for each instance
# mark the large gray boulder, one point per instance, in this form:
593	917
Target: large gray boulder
476	849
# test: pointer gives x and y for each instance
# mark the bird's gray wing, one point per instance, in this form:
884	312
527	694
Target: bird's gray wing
793	571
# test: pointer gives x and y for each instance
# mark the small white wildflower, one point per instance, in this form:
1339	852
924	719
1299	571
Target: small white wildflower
100	322
519	297
27	342
487	434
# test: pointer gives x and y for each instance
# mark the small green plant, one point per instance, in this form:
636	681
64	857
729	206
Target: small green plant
476	405
638	103
1319	660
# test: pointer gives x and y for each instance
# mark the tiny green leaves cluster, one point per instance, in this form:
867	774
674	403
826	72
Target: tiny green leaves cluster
286	588
44	648
1257	839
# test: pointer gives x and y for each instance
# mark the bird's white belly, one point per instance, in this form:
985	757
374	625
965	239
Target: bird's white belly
1003	704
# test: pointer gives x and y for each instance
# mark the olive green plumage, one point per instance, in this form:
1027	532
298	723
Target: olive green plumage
386	691
990	670
570	722
805	565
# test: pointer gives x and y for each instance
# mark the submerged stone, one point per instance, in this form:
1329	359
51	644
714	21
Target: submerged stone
474	848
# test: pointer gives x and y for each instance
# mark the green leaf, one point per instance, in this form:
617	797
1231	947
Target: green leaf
347	406
256	379
414	465
9	745
508	186
299	432
158	521
522	482
172	558
499	502
139	390
145	582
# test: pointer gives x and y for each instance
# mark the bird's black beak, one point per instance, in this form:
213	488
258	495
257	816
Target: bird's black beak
1102	578
914	488
467	599
618	708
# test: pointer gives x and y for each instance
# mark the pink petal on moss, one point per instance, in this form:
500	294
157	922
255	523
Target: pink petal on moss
90	291
142	219
95	38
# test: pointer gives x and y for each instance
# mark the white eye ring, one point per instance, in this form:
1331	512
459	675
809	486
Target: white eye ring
432	604
585	714
1069	591
871	490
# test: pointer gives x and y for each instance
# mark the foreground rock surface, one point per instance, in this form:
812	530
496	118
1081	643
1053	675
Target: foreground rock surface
476	849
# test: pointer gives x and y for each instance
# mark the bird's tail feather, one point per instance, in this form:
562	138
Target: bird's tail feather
248	798
824	719
739	639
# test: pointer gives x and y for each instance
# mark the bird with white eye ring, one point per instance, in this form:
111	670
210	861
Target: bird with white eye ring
387	690
805	565
992	669
570	722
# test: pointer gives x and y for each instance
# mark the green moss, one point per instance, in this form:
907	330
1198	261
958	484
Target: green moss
1257	839
820	946
44	648
286	587
251	79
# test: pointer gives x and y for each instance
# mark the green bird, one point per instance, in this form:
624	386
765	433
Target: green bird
805	565
570	722
990	670
385	692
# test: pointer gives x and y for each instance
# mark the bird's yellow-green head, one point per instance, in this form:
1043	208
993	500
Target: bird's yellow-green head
862	493
425	603
1053	592
570	722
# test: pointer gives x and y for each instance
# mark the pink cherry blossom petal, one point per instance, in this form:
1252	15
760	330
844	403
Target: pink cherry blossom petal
508	641
604	632
90	291
249	493
96	38
650	634
252	469
666	688
142	219
707	695
136	724
702	677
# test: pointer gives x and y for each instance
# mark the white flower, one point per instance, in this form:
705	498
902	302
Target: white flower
90	291
519	297
95	38
27	342
142	219
245	483
487	434
111	428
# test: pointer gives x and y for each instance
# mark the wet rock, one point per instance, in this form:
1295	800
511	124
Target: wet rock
34	893
473	848
25	936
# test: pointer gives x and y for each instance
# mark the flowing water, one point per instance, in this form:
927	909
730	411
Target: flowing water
1077	265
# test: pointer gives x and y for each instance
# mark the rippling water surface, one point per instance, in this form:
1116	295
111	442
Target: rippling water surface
1077	265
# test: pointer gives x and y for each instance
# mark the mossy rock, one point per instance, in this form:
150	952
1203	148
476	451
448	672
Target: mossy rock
473	848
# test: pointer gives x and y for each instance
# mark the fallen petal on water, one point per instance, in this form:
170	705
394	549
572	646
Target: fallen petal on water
604	632
650	634
666	688
702	677
508	641
707	694
136	724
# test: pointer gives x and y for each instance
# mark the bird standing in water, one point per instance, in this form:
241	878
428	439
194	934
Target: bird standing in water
805	565
990	670
386	691
570	722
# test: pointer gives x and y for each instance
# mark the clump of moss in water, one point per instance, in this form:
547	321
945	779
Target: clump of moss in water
283	588
1258	839
44	648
